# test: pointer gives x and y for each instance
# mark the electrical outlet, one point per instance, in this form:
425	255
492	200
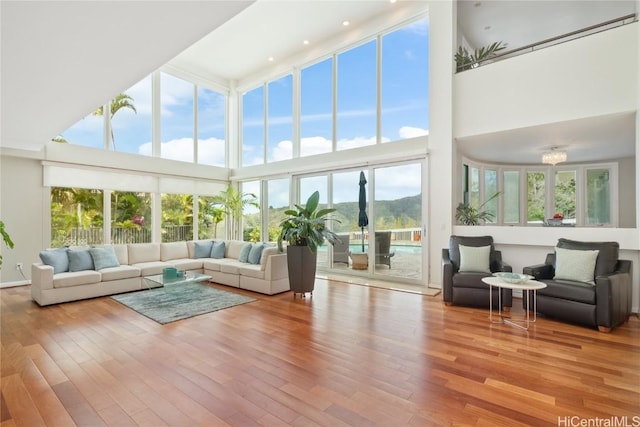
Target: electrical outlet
18	266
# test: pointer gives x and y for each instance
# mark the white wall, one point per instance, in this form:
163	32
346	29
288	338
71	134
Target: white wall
21	208
588	77
440	173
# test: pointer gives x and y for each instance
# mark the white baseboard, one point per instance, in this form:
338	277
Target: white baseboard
14	284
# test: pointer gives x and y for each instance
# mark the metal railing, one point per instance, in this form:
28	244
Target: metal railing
592	29
120	235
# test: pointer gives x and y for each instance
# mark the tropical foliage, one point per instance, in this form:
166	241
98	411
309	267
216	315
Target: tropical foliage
470	215
121	101
307	226
466	60
6	238
232	203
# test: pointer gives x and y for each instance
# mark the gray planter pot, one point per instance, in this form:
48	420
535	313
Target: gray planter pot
301	263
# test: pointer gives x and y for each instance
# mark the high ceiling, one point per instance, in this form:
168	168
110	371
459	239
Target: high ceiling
62	59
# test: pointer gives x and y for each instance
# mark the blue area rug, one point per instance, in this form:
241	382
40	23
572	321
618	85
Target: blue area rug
176	302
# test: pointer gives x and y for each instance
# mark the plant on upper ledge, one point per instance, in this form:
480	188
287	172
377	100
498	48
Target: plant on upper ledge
469	215
466	60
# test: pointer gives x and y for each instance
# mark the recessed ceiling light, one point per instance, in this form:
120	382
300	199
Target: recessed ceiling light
305	42
392	1
271	59
346	23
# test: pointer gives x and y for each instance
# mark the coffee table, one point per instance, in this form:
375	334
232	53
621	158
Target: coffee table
530	286
160	280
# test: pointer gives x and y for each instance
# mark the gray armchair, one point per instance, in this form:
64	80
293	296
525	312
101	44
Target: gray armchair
467	288
605	304
383	248
341	249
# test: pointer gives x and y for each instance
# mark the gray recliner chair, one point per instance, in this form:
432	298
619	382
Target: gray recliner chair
467	288
604	303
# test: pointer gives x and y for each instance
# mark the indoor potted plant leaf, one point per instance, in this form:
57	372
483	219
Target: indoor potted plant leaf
305	229
469	215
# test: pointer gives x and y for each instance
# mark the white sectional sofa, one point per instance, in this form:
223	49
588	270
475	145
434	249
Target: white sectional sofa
93	272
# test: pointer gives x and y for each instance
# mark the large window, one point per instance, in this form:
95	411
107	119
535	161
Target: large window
253	127
280	119
511	197
598	196
130	122
251	215
316	108
212	119
405	82
536	195
565	195
278	202
76	217
374	92
130	217
176	118
177	217
356	115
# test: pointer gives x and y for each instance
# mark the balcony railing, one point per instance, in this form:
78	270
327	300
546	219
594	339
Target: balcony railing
121	235
592	29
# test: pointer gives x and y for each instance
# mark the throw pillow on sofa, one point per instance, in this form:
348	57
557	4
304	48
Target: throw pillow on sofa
255	253
217	250
244	253
56	258
104	257
80	259
202	249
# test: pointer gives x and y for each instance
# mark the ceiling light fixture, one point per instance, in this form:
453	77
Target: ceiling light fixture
346	23
392	1
271	59
554	156
305	42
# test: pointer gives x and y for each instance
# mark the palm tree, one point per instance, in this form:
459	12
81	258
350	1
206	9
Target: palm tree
233	203
122	100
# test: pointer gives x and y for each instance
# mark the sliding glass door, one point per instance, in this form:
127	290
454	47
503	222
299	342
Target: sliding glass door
390	243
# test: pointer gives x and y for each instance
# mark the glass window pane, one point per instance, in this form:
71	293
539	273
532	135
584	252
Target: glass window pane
210	218
253	127
278	201
474	188
535	197
211	127
280	121
316	108
131	119
598	196
130	217
307	186
490	189
356	117
511	197
398	221
177	217
176	118
405	82
88	132
76	217
251	219
565	195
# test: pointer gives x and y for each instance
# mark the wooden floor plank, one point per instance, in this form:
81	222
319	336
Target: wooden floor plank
350	355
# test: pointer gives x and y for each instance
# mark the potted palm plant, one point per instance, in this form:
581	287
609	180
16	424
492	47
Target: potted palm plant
305	229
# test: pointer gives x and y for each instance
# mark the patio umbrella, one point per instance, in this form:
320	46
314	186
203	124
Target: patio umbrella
363	221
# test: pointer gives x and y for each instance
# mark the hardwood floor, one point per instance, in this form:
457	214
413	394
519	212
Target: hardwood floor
350	355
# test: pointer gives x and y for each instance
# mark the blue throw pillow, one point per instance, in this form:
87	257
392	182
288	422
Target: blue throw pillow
255	253
217	250
202	249
80	259
244	253
56	258
104	257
